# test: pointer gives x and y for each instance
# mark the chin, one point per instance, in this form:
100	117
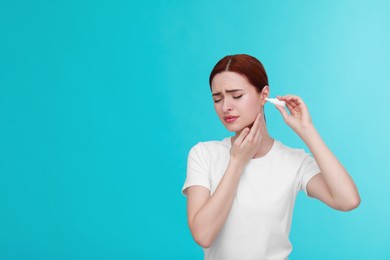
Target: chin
237	126
232	128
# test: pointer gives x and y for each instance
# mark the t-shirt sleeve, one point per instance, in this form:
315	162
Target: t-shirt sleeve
197	169
309	168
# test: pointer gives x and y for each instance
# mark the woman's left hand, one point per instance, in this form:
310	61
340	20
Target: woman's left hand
299	118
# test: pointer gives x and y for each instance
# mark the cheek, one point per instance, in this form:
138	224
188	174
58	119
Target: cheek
252	105
251	110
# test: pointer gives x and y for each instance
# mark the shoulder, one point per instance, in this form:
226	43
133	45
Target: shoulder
289	152
296	159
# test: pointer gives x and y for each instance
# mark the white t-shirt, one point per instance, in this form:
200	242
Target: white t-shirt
259	221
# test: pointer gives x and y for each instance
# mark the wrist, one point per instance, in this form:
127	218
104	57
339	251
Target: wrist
236	164
307	132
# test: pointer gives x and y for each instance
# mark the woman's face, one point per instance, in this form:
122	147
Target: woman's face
236	101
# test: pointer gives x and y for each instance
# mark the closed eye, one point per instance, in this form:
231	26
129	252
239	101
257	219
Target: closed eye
236	97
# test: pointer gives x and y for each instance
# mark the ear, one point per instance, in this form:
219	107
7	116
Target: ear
264	94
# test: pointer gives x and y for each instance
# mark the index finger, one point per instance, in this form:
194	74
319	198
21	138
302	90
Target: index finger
256	126
294	102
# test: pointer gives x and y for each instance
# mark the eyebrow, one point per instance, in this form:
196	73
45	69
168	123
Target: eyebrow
227	91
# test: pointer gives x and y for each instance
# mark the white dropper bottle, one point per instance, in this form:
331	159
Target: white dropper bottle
276	101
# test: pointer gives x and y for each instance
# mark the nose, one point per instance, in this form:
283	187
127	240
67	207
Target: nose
226	106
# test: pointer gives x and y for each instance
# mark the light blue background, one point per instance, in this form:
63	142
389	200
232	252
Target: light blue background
100	102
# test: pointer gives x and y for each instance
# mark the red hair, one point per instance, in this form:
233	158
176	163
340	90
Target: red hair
243	64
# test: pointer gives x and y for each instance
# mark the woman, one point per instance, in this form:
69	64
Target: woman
241	190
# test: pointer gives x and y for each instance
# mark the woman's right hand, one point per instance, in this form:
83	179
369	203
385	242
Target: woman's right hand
247	143
207	213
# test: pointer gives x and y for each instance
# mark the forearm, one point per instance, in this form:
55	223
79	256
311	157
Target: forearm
340	184
212	216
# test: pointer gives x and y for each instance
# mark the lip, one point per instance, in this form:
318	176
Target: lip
230	119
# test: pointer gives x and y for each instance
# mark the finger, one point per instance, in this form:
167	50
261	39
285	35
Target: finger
294	102
260	130
255	126
287	99
294	98
283	98
290	98
300	103
242	136
297	103
290	106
